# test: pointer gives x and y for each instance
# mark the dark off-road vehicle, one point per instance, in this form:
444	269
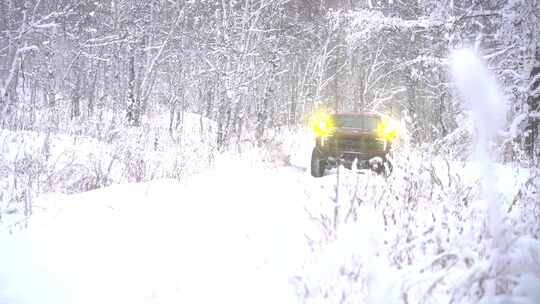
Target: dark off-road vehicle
355	139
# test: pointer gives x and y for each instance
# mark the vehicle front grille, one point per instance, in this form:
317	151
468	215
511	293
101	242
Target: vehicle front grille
359	144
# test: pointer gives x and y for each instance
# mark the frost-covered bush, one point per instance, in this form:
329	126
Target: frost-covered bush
422	236
33	163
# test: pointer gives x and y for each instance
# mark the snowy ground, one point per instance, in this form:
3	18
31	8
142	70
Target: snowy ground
232	234
245	231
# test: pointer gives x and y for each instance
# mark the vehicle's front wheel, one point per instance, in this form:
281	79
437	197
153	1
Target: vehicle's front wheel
381	166
318	163
388	167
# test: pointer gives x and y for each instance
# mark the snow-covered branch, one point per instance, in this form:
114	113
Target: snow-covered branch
535	92
535	81
14	65
150	68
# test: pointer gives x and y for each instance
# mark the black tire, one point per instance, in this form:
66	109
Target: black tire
317	163
388	168
377	167
383	167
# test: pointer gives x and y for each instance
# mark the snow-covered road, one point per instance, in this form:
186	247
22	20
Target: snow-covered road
231	235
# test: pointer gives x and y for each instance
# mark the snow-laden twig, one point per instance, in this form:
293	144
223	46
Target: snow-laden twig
42	26
26	49
535	81
535	92
514	130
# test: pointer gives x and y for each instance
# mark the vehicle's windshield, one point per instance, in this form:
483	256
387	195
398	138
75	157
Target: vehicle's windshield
366	123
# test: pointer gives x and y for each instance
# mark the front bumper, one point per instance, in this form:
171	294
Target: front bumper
362	160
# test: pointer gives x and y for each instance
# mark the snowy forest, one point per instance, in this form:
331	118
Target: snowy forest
174	134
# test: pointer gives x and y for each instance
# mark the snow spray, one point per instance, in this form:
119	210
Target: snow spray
481	95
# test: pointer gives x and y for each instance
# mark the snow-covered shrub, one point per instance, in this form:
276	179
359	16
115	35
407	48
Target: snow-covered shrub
21	164
33	163
422	236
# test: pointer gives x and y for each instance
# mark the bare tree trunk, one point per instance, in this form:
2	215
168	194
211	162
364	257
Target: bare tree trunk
76	95
293	82
533	103
220	130
209	101
92	92
337	105
411	103
262	114
51	83
33	104
133	113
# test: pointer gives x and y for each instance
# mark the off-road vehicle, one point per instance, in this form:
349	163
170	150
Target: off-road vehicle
354	138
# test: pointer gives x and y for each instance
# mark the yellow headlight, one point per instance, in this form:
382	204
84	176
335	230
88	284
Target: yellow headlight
387	129
321	123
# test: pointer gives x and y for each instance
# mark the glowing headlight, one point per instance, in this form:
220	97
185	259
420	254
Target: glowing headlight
387	129
322	124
